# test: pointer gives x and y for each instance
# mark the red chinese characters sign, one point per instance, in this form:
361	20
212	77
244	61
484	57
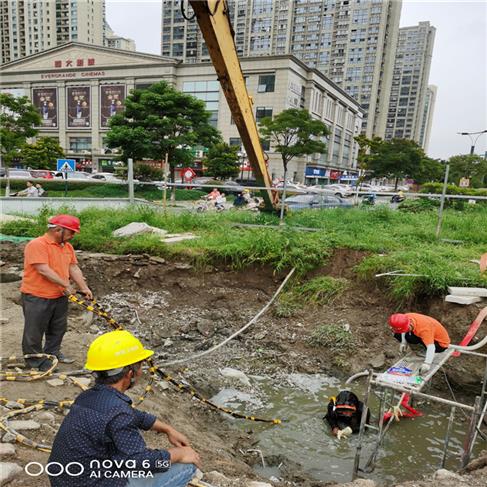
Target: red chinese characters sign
72	63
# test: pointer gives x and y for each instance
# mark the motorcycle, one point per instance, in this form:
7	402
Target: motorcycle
397	198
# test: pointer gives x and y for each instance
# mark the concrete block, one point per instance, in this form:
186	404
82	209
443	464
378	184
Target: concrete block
468	291
20	425
451	298
55	382
8	471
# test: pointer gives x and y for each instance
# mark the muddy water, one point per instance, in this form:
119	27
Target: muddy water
412	448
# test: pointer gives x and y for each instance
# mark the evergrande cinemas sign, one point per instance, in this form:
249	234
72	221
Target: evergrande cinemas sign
72	63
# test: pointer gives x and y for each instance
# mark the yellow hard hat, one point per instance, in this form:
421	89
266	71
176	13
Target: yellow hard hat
115	349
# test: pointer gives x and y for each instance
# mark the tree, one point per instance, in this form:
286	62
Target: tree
222	161
398	159
469	166
18	118
161	120
42	154
293	133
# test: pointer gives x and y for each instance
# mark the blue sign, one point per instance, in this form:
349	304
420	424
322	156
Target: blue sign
66	165
314	172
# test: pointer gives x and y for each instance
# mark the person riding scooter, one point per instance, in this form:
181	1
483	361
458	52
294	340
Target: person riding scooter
398	198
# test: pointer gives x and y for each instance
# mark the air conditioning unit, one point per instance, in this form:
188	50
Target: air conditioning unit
261	89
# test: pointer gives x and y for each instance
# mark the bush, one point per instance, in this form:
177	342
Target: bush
437	188
419	205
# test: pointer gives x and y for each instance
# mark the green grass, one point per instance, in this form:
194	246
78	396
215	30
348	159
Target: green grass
334	337
319	290
395	240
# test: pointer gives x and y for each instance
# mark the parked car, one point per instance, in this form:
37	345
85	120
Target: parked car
291	188
340	190
106	177
19	174
73	175
315	201
41	174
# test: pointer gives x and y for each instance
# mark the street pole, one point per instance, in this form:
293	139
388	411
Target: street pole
442	201
65	176
130	177
164	191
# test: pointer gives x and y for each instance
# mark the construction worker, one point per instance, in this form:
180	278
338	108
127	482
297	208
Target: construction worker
345	411
415	328
49	265
99	442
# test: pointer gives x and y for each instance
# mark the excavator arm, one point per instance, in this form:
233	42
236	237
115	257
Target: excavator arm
214	22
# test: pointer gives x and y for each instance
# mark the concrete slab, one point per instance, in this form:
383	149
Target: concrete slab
465	300
468	291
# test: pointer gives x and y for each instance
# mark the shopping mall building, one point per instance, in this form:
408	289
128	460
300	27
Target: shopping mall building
78	87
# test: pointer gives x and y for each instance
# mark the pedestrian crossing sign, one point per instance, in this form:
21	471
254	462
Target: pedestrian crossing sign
66	165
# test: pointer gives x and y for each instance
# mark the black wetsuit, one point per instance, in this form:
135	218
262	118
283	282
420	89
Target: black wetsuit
337	420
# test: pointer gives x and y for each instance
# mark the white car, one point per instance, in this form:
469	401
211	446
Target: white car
339	190
82	176
19	174
106	177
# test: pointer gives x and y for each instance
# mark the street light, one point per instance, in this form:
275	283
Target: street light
473	142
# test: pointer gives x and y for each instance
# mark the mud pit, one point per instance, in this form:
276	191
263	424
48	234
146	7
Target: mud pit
179	310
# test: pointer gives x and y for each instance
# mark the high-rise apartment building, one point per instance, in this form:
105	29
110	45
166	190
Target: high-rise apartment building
30	26
118	42
428	111
352	42
407	106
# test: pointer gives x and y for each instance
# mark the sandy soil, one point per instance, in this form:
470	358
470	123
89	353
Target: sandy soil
182	310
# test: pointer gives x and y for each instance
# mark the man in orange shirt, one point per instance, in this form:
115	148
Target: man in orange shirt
49	266
416	328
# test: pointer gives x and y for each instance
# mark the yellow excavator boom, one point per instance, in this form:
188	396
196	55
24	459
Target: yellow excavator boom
214	22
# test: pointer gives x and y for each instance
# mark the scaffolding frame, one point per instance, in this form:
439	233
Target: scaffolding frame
375	380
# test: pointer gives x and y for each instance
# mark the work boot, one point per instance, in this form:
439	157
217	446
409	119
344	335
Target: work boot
63	359
46	365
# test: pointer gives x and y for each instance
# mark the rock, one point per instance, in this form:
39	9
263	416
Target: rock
168	342
94	329
446	475
14	405
8	438
182	266
159	260
27	424
8	471
137	228
235	374
6	449
55	382
205	327
163	385
360	483
137	274
46	416
378	361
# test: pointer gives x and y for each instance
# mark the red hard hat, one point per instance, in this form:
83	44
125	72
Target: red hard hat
65	221
399	322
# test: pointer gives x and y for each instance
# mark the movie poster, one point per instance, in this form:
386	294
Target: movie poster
111	102
45	100
79	115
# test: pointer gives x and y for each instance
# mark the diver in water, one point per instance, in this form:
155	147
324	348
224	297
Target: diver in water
345	413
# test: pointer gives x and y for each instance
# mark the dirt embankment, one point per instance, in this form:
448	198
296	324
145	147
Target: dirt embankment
180	310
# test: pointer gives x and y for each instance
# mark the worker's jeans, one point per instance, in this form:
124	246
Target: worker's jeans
178	475
415	340
43	317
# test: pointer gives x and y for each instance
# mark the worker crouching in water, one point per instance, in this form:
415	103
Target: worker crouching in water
415	328
99	442
345	414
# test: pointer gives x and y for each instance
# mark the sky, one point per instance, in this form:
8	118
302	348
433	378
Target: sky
458	69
